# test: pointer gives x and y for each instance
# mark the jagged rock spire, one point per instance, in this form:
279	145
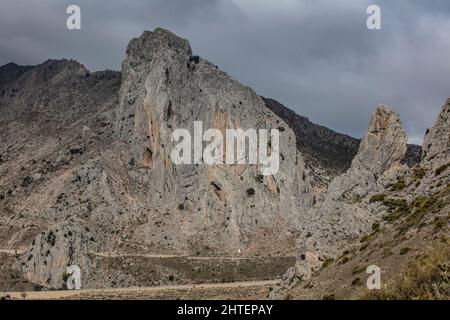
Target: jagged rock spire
384	144
381	153
341	216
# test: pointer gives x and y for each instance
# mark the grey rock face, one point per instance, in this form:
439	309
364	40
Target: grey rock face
344	214
436	144
323	147
53	251
384	145
53	119
436	155
222	207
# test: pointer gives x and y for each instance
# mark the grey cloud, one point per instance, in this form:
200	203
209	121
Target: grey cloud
317	57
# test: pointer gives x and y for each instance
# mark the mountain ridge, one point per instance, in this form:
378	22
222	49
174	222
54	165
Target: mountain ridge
85	170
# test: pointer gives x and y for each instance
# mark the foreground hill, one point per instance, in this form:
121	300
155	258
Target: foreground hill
404	211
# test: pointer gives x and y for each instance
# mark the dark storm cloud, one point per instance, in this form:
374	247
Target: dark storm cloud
315	56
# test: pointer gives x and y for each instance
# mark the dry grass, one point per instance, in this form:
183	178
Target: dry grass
425	278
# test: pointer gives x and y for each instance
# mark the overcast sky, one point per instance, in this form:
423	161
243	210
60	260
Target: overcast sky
315	56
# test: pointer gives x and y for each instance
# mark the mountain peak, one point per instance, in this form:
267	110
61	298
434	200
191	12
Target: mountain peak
158	42
384	144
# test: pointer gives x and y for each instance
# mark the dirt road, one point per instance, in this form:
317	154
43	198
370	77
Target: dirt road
247	289
162	256
13	251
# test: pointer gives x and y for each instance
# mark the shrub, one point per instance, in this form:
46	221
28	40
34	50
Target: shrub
196	59
404	251
422	202
441	169
327	262
396	208
377	198
364	238
357	270
363	247
37	287
356	282
65	277
26	181
399	185
250	192
438	225
376	227
260	178
419	173
345	260
51	238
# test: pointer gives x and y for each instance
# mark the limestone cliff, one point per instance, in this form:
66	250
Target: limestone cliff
345	213
223	207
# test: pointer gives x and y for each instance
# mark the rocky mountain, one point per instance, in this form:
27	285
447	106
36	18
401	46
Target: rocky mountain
222	207
87	178
325	149
52	122
383	213
86	170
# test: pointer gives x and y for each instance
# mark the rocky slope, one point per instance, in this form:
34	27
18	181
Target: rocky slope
394	216
87	177
52	122
86	169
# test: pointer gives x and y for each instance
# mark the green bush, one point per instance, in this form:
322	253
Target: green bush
356	282
404	251
327	262
419	173
396	208
399	185
377	198
26	181
441	169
